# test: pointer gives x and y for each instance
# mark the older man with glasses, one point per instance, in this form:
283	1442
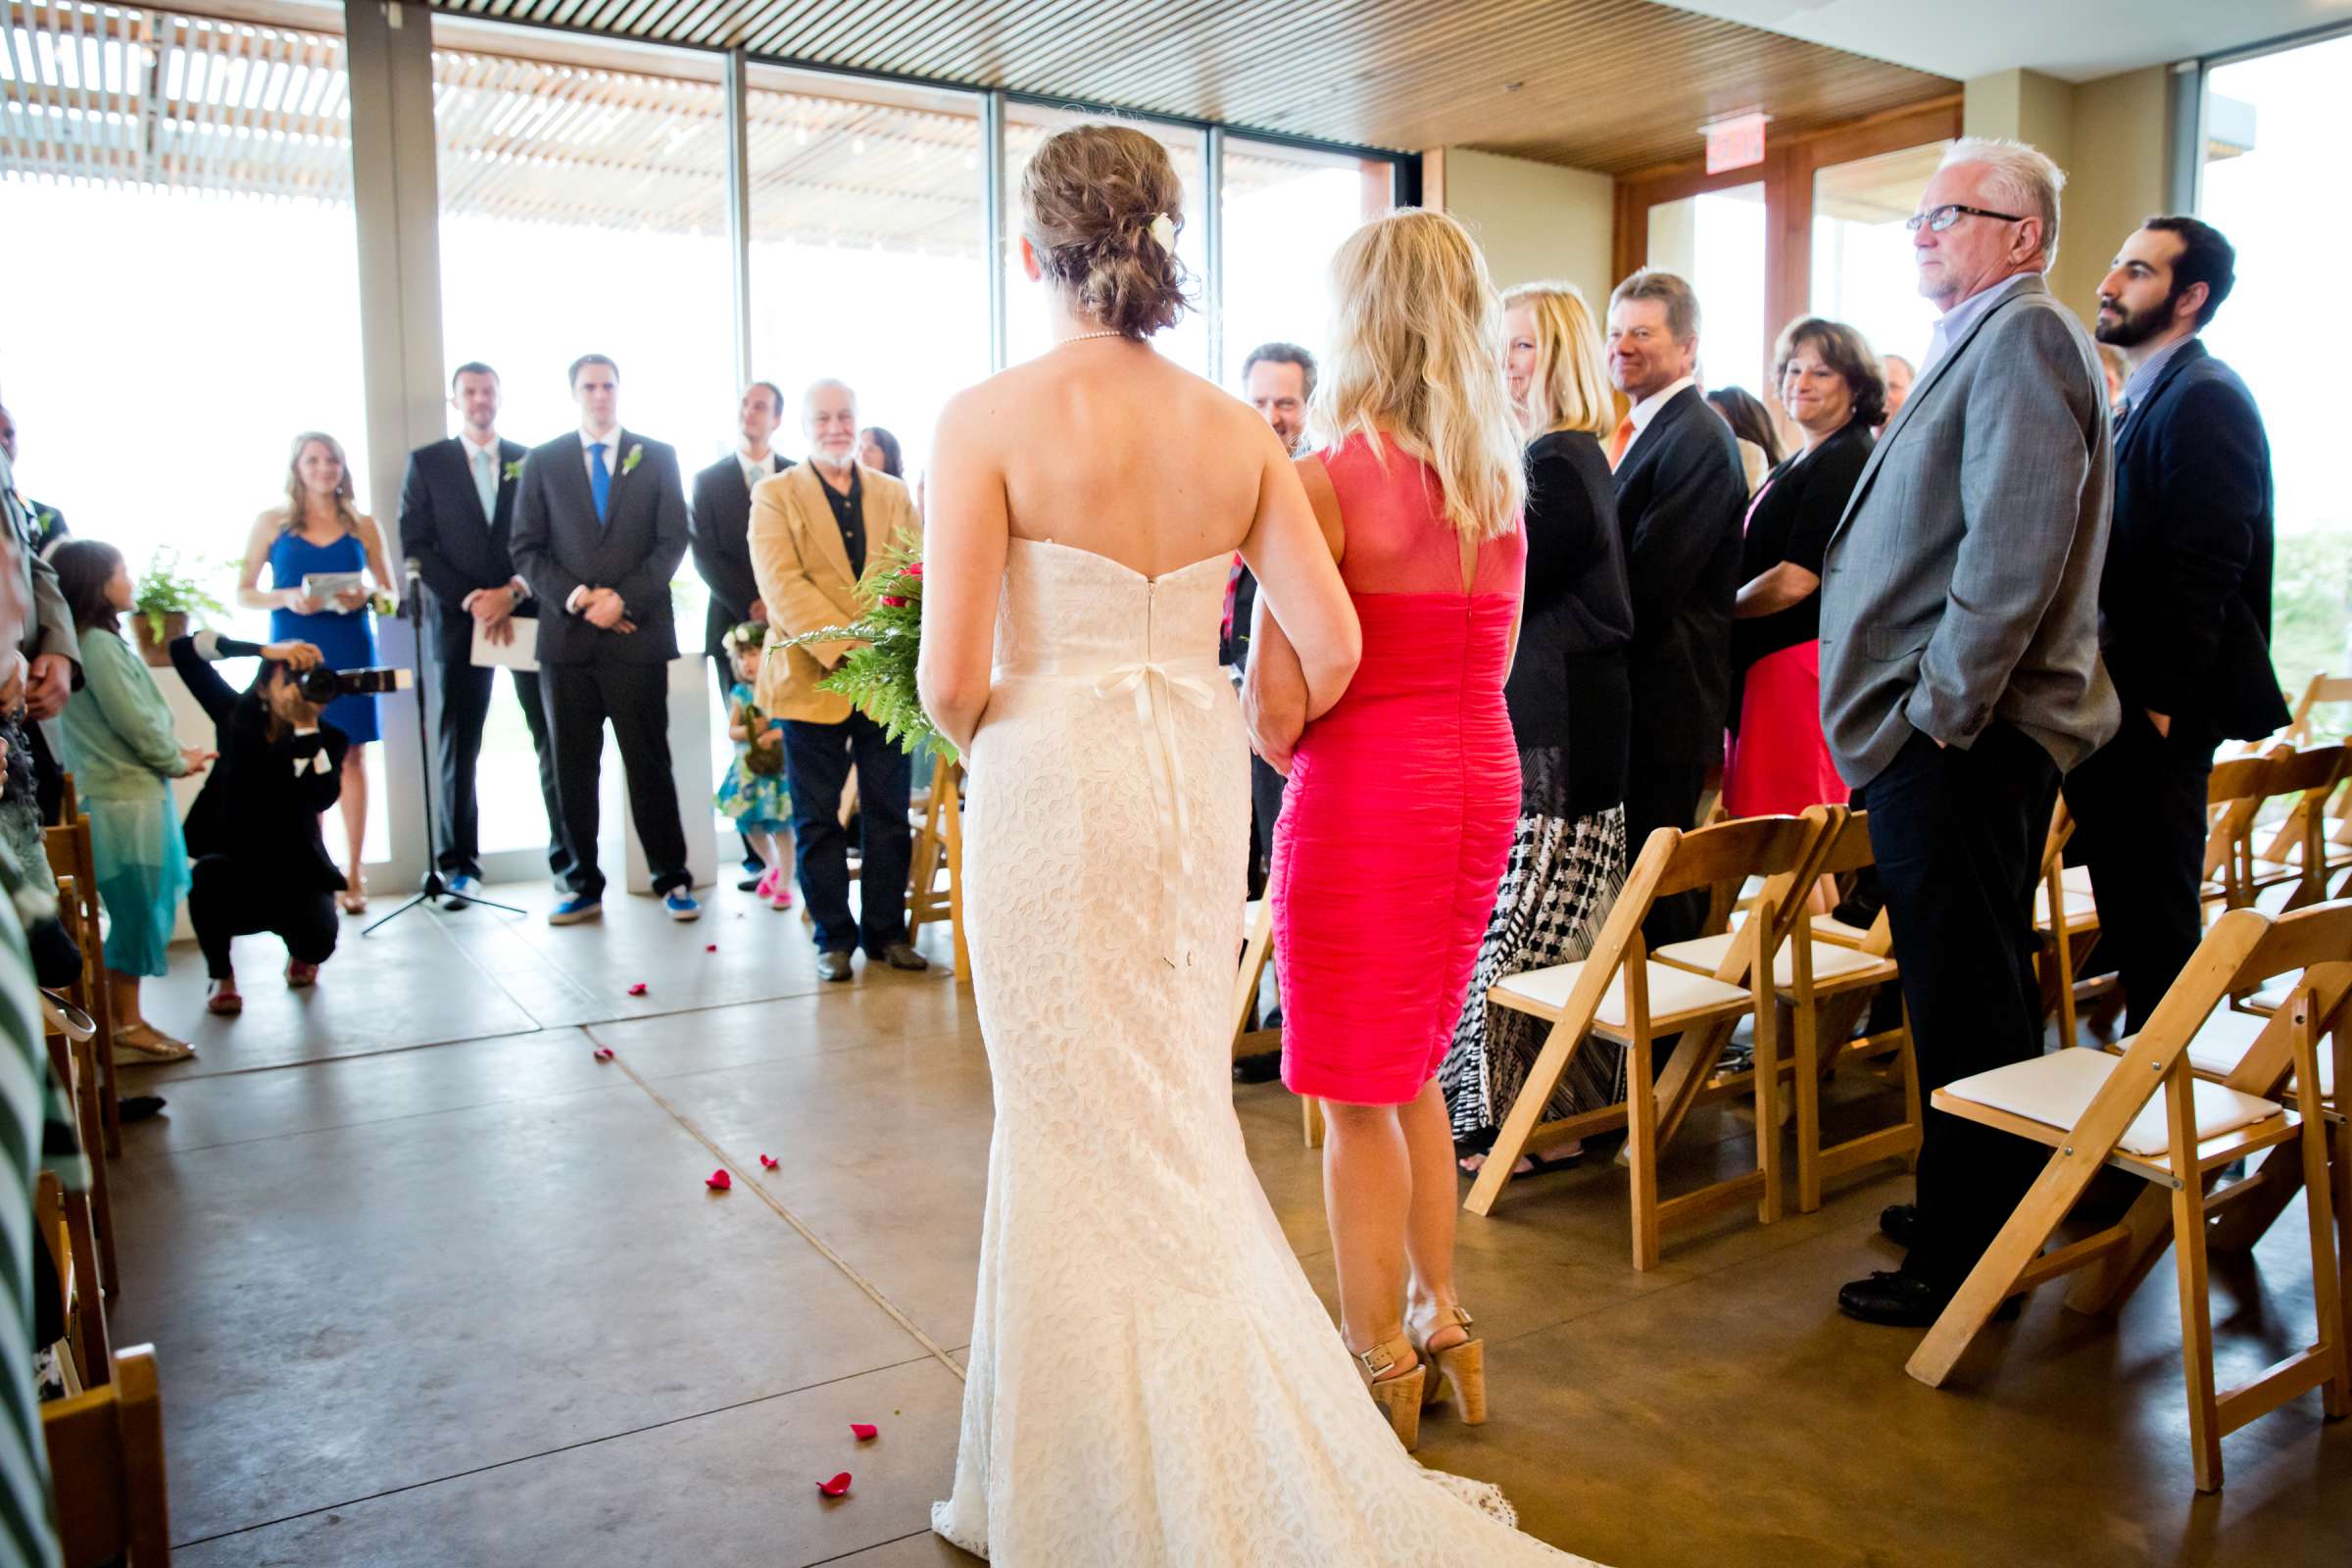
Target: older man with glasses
1960	671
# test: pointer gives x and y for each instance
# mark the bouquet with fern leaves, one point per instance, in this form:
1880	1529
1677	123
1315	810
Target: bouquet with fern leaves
878	675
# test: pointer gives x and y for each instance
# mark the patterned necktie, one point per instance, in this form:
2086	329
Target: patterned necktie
485	482
600	477
1621	440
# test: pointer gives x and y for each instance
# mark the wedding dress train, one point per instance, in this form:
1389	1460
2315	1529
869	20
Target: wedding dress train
1152	1379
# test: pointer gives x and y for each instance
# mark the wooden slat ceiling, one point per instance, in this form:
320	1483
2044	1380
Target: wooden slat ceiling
1614	85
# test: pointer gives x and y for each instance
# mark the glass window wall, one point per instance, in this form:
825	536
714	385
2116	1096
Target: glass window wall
1715	241
1287	211
1863	271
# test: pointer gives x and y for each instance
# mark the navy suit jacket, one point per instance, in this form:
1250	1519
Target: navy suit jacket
560	545
719	521
2184	601
1681	495
456	548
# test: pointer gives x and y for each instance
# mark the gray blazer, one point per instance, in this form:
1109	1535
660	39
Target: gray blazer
1962	584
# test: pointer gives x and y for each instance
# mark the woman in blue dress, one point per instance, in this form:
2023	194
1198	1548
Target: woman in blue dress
319	532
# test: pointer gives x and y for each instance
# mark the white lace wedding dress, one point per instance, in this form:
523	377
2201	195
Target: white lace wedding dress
1153	1380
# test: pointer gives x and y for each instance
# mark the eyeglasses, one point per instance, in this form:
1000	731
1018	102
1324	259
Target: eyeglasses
1939	219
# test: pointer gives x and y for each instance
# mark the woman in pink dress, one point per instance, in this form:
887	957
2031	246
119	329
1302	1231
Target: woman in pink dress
1403	798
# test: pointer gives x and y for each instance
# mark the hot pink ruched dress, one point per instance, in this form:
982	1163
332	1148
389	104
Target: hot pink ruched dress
1402	799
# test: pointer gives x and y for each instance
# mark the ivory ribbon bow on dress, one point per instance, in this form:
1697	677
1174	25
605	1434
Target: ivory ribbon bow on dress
1194	680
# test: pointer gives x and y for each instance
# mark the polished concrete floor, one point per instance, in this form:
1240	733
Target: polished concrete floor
432	1284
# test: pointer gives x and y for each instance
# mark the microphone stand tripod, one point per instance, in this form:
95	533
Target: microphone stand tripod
433	887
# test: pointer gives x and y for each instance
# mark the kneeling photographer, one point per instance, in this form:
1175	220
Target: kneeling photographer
261	864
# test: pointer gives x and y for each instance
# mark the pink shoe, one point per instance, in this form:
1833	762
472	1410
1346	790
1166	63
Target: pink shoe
780	895
767	885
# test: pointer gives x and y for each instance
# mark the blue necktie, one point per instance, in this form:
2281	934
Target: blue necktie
600	477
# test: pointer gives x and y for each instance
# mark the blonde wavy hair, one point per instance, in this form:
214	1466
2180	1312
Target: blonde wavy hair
291	518
1416	356
1567	391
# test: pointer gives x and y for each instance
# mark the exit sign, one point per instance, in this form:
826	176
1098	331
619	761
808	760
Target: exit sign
1736	143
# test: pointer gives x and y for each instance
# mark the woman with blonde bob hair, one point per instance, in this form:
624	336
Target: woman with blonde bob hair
1571	705
1398	815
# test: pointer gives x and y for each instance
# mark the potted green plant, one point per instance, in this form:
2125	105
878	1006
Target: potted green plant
164	598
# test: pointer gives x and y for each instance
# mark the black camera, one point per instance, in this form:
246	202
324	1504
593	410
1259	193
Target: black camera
322	686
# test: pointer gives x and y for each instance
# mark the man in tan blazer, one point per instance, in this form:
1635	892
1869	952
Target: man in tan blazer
812	527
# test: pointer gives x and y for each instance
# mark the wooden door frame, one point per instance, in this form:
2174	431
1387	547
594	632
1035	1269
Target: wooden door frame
1787	174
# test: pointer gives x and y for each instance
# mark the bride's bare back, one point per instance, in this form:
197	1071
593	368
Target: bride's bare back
1105	446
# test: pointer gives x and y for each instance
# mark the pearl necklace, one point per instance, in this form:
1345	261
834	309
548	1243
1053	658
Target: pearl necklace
1083	336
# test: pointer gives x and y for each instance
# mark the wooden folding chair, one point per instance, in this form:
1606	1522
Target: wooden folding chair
2298	852
2233	797
2101	1111
62	1221
2322	689
1624	993
70	856
106	1469
1819	965
75	1048
939	850
1257	951
2066	921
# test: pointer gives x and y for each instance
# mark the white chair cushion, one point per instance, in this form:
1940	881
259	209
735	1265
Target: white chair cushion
2057	1089
2082	909
1830	960
2222	1042
1828	925
2076	879
2271	998
1671	991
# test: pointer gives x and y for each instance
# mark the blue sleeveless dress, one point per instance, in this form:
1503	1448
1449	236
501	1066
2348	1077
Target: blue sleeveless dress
347	640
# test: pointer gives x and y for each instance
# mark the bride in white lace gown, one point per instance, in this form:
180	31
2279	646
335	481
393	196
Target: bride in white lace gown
1152	1379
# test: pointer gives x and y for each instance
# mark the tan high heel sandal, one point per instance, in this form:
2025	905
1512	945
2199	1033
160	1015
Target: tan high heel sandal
1461	1367
1398	1396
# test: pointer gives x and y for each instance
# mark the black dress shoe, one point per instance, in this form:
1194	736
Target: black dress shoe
140	1108
751	884
1905	1300
1258	1067
902	956
1900	1223
833	966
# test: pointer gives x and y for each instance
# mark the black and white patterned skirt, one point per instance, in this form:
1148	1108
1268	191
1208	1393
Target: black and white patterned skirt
1563	876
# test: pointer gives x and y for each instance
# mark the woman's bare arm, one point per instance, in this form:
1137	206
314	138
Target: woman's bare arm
250	592
1304	641
1785	584
965	527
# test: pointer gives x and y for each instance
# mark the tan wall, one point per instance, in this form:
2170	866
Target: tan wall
1534	221
2110	137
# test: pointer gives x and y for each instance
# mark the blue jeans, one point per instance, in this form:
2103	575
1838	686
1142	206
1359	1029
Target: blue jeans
816	763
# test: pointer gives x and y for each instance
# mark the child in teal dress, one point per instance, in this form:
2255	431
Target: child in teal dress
753	792
123	755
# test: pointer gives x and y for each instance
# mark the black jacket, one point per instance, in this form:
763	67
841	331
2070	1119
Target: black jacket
262	797
1568	685
1681	496
560	544
2185	603
457	550
719	527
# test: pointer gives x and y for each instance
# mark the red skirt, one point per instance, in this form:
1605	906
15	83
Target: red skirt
1776	762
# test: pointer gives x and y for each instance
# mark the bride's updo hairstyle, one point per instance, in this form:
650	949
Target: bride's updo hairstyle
1101	205
1416	355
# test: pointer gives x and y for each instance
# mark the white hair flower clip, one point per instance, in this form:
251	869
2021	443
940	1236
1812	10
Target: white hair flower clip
1164	232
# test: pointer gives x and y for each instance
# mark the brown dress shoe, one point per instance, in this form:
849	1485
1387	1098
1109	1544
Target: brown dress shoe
902	956
833	966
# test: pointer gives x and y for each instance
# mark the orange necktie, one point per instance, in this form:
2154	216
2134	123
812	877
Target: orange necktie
1621	440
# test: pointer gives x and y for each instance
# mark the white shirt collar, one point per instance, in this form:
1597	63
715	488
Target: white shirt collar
754	468
490	446
1952	323
1647	408
610	439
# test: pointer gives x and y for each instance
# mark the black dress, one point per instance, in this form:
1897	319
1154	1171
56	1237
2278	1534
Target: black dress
1571	711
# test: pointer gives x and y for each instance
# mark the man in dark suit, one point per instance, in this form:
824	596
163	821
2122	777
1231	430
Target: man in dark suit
1681	498
600	526
456	514
2185	603
718	522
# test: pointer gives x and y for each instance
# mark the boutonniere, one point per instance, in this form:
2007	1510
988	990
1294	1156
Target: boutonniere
514	470
636	455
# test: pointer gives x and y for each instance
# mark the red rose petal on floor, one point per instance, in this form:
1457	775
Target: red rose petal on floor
718	1181
862	1432
604	1052
637	990
710	946
766	1163
837	1487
